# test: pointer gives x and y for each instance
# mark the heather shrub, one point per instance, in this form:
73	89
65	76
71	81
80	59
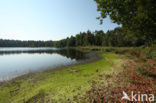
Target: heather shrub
109	90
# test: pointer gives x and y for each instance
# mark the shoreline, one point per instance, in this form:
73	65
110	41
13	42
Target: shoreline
59	84
91	56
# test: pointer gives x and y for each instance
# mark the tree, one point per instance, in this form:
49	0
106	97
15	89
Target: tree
78	40
71	42
89	39
98	37
137	16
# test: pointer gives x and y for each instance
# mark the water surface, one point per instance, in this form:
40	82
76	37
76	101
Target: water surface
18	61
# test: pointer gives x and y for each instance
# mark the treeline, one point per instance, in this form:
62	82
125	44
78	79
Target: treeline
19	43
119	37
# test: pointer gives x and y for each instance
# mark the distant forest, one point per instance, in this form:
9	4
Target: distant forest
137	18
115	38
19	43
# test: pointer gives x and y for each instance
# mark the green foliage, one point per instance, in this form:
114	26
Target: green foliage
150	52
99	37
71	42
136	16
118	37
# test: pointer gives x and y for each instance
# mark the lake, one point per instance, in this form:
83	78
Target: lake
18	61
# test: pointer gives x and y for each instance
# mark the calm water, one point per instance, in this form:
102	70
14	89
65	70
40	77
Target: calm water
18	61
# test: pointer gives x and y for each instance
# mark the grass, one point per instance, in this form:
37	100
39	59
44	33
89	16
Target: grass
58	85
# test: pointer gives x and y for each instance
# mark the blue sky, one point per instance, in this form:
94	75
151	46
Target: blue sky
48	19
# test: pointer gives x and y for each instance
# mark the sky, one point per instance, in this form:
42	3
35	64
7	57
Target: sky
49	19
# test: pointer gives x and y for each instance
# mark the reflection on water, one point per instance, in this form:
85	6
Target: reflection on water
18	61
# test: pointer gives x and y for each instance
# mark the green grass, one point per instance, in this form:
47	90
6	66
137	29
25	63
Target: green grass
61	84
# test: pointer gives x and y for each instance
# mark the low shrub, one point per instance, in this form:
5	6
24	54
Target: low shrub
110	90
